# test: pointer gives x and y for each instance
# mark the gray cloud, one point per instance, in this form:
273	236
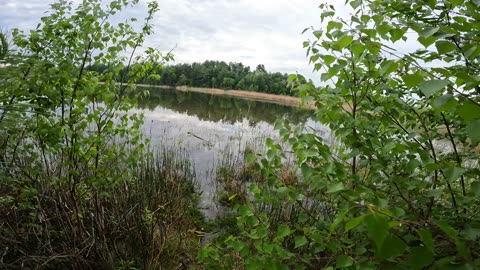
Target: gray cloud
249	31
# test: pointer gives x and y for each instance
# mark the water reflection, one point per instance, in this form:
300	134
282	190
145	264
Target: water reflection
210	128
221	108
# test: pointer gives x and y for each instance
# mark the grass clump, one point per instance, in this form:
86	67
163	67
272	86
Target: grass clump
148	221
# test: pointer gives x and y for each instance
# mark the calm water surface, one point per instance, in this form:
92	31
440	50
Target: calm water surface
210	128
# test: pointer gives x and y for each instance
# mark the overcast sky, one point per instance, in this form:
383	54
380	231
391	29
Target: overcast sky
249	31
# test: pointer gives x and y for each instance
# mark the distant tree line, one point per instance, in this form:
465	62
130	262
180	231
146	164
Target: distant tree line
219	74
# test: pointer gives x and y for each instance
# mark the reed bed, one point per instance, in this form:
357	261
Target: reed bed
148	220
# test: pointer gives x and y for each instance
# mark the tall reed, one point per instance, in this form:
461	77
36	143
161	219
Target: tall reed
149	220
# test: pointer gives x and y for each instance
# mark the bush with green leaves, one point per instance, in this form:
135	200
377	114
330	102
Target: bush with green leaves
3	46
79	190
400	188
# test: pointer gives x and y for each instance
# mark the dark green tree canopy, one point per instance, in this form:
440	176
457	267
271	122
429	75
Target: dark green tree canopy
219	74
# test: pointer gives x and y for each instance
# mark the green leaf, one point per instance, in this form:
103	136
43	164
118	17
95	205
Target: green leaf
392	247
444	46
426	237
412	80
343	261
445	263
473	131
444	102
397	33
344	41
357	48
388	67
419	257
314	58
251	158
377	228
269	142
300	241
463	250
384	28
292	77
332	24
473	52
447	229
283	231
308	99
456	3
471	233
475	186
426	32
245	211
378	18
429	88
426	42
435	193
354	222
318	34
252	221
355	4
338	219
328	59
431	3
237	245
335	187
309	153
253	263
454	173
469	111
283	190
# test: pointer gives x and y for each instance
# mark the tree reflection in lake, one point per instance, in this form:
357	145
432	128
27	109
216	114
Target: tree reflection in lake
211	128
221	108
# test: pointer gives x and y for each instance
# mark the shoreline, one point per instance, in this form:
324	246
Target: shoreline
250	95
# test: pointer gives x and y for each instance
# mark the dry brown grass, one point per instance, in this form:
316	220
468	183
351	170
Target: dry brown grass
284	100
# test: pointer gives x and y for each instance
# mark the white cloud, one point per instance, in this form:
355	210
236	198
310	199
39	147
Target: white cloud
249	31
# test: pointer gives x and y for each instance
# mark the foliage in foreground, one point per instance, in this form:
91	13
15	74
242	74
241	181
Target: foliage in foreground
78	188
401	188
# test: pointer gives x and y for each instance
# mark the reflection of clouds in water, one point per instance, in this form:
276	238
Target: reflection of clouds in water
318	129
192	123
208	142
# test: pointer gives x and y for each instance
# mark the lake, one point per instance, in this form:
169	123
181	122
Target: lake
210	128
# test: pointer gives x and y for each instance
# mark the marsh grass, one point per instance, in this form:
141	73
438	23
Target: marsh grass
149	220
234	173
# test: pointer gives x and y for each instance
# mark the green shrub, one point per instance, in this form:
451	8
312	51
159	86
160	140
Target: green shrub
400	189
78	188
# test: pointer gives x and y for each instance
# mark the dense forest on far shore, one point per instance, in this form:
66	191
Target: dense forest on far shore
219	74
